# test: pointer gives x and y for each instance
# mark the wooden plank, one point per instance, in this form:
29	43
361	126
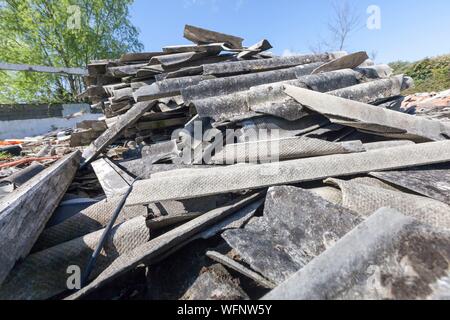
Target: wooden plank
43	275
112	133
45	69
24	212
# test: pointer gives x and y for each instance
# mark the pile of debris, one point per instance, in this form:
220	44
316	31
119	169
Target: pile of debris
230	173
431	105
22	159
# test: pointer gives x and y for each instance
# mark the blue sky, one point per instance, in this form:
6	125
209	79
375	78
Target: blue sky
410	29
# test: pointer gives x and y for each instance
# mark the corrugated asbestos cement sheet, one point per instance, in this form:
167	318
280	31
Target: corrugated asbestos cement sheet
235	178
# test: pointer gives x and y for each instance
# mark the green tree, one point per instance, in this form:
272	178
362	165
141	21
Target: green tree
59	33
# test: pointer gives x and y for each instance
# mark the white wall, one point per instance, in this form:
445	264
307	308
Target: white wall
19	129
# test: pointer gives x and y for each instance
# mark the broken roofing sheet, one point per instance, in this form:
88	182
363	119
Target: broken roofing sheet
370	118
365	199
255	176
254	173
226	99
431	183
50	266
158	246
372	262
296	227
203	36
289	148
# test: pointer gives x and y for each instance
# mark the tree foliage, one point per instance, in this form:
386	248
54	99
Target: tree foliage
430	74
59	33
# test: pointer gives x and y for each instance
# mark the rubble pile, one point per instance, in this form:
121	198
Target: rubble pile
432	105
224	172
41	152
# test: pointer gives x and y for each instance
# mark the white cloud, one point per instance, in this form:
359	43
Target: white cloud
290	53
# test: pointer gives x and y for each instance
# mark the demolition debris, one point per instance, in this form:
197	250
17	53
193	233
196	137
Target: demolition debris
220	171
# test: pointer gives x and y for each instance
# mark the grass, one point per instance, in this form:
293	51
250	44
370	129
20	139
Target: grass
4	156
430	74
